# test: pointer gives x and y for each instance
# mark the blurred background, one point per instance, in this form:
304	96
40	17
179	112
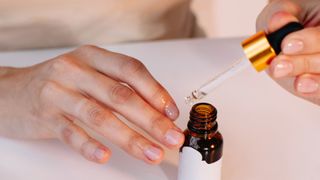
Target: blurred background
228	18
58	23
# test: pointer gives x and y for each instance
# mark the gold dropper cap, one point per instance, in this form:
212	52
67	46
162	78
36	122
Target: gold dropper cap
259	51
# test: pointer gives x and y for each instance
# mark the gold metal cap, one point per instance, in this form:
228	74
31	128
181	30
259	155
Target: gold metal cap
258	50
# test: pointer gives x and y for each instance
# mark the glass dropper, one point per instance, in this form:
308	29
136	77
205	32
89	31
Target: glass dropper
209	86
259	49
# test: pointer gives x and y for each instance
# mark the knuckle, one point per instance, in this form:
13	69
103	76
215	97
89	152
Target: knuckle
133	67
95	115
156	123
61	61
121	94
87	47
306	65
48	89
135	144
158	92
287	4
87	50
67	133
65	64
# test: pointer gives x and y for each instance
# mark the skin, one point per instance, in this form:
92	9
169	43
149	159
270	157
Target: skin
89	86
297	68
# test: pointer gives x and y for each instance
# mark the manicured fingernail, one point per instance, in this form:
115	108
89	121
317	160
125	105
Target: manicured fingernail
307	85
282	69
101	154
152	153
173	137
293	46
171	111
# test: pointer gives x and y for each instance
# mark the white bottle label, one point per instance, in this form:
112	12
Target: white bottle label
192	167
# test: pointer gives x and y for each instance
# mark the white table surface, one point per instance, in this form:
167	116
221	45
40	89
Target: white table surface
268	133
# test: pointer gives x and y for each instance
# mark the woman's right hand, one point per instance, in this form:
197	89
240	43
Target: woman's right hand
297	68
87	86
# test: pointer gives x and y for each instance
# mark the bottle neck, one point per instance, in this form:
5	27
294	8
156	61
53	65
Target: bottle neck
203	120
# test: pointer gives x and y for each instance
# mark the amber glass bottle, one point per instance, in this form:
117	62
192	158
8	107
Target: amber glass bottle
201	154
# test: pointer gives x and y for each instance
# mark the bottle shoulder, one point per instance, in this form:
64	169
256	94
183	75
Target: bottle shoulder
214	137
210	146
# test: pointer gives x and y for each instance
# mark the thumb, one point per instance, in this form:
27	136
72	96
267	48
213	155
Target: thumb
277	14
280	19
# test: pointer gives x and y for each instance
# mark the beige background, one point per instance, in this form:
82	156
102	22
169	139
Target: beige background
225	18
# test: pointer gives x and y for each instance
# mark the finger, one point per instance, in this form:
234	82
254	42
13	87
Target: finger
133	72
79	140
126	102
103	122
305	41
289	66
108	125
307	85
277	14
280	19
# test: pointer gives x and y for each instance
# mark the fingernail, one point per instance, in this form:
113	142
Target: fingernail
307	85
293	46
282	69
152	153
171	111
173	137
100	154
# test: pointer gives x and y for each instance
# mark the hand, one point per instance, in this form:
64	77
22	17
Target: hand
88	86
297	68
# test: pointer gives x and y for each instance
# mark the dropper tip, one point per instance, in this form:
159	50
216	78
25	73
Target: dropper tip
190	100
194	97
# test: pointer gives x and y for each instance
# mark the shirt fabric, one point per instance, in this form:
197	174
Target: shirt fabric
55	23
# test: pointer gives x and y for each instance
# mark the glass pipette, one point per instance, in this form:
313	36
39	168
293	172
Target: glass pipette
206	88
259	49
